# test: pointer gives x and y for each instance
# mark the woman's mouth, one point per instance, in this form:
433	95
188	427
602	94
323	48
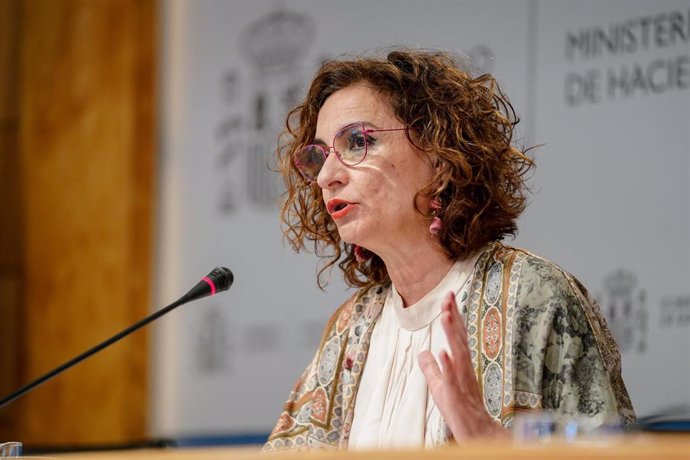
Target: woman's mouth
339	208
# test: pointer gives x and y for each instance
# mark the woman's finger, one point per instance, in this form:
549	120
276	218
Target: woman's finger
452	306
455	330
432	373
450	372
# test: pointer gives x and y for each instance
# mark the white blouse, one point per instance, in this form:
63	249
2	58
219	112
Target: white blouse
394	408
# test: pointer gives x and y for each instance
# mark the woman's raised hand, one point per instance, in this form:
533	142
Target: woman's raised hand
454	385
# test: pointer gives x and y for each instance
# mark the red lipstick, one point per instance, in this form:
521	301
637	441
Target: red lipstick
338	208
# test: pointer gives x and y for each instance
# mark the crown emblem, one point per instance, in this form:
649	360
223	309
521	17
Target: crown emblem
278	40
620	283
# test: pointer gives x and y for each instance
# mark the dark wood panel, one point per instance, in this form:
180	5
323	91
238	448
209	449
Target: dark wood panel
86	148
11	351
9	46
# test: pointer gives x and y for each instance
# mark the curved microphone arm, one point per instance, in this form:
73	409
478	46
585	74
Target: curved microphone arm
219	280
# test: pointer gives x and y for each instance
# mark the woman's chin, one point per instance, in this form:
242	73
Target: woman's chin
349	234
358	234
350	240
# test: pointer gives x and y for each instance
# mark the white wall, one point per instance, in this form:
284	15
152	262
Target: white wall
611	199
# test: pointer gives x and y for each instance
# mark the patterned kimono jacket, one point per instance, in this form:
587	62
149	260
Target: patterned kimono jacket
537	341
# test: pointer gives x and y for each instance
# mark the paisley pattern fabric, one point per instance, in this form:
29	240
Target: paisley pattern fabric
537	341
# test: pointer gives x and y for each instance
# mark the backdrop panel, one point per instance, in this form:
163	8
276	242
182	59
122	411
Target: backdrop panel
611	200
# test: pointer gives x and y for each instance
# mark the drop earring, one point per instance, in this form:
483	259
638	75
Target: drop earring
437	223
361	254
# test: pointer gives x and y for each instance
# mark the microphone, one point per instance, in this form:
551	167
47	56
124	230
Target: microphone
219	280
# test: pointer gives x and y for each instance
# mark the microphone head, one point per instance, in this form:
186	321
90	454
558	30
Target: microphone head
219	280
222	278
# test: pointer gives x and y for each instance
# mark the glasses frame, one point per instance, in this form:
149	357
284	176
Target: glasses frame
326	150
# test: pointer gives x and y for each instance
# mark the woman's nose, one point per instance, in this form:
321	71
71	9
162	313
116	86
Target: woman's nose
333	172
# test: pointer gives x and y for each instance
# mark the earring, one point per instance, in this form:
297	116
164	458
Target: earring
437	223
362	254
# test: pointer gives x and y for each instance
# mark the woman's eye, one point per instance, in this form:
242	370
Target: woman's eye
356	140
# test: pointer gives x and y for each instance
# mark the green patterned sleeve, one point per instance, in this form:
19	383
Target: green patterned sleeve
563	340
296	422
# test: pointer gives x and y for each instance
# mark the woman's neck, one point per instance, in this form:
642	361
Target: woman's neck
416	270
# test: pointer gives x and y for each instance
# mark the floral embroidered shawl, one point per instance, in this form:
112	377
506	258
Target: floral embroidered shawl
537	340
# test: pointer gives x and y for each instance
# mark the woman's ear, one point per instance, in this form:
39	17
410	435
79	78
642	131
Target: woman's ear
436	163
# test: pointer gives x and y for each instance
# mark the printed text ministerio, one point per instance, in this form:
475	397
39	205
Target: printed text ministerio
634	37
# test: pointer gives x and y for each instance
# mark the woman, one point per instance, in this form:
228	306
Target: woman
401	171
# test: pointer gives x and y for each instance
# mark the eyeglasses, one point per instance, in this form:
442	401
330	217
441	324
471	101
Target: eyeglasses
349	144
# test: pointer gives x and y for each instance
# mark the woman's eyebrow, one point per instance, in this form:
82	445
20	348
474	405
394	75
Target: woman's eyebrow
317	141
369	124
362	123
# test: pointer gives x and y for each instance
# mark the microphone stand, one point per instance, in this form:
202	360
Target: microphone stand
207	286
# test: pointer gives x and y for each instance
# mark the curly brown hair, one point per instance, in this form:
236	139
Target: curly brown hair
467	125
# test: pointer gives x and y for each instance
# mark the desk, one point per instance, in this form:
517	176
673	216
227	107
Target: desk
635	446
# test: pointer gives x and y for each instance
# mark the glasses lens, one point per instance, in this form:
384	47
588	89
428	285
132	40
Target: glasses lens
309	161
351	144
